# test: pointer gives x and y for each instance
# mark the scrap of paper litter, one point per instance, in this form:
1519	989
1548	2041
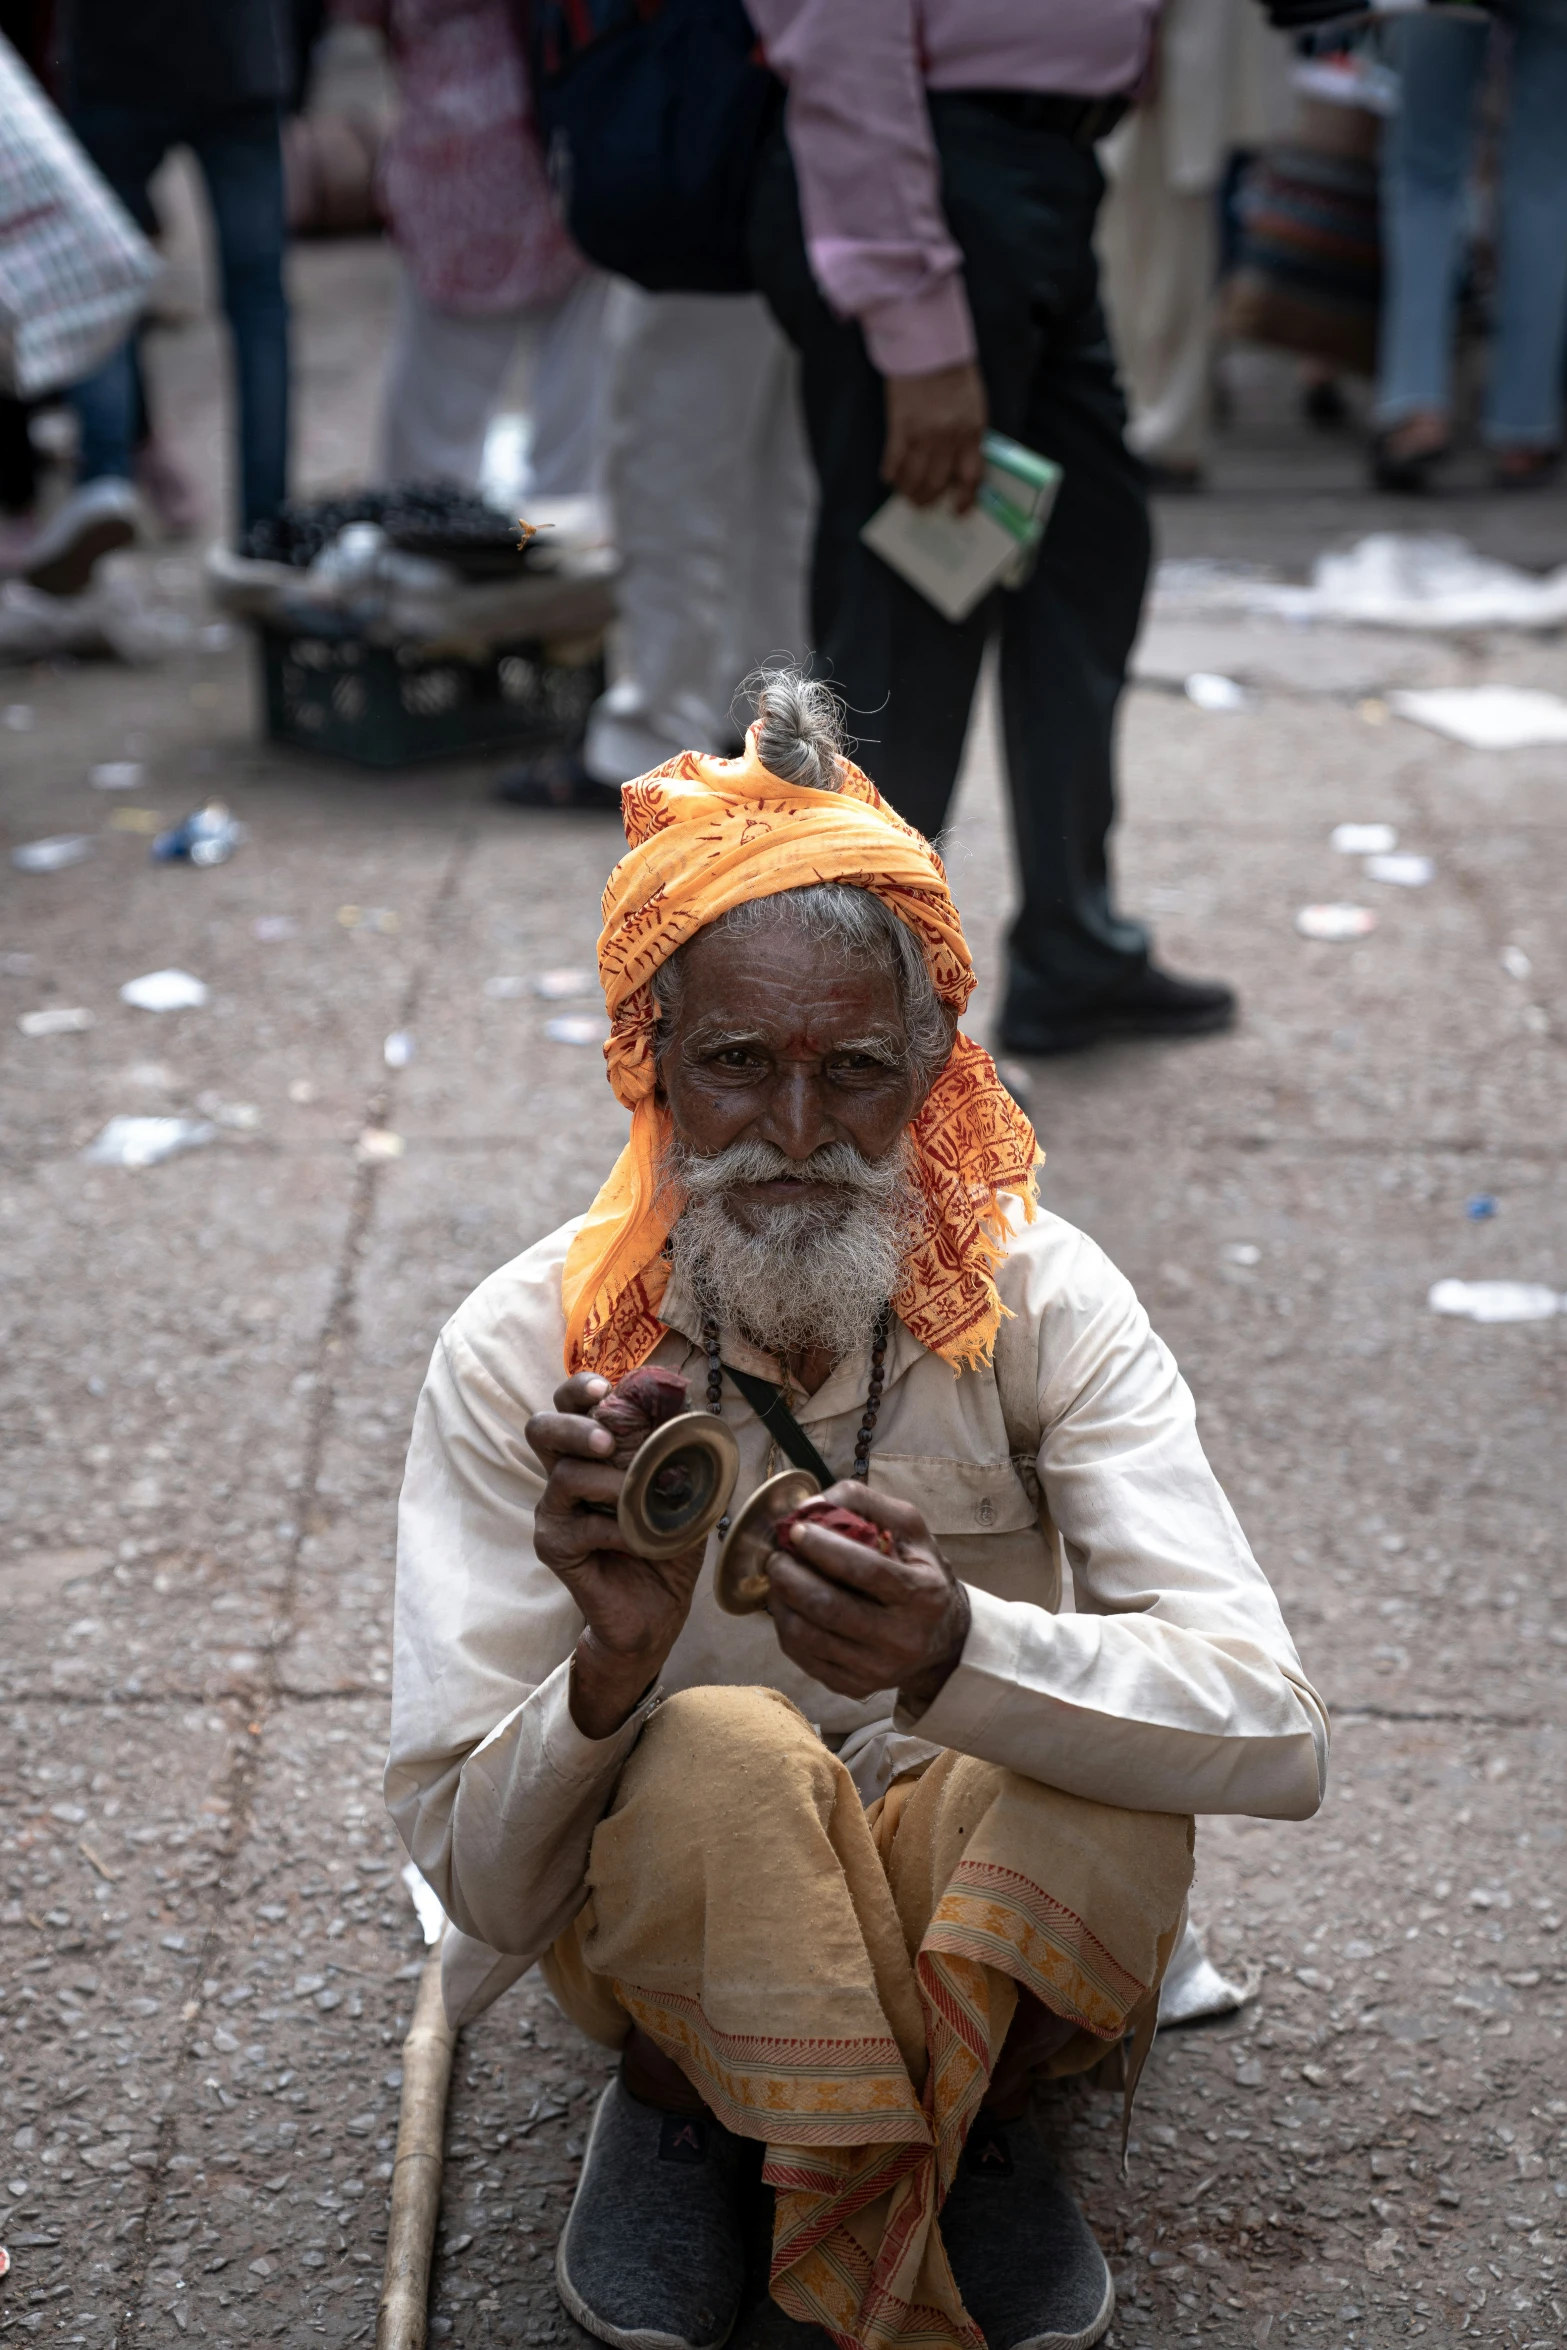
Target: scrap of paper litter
144	1142
56	1020
1336	923
165	991
1402	867
1193	1988
52	855
426	1901
1363	840
1487	717
1207	690
1495	1301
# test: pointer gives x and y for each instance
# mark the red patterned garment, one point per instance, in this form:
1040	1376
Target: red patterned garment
462	174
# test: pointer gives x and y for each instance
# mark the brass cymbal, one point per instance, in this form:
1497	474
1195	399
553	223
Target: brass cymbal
678	1485
740	1577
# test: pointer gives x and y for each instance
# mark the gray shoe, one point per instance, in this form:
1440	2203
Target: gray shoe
1031	2275
652	2256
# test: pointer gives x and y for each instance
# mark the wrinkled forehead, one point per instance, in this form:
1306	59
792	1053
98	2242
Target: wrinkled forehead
777	984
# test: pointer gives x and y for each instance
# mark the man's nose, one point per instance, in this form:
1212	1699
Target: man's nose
796	1121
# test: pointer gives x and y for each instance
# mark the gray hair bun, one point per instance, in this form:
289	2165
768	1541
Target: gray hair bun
799	725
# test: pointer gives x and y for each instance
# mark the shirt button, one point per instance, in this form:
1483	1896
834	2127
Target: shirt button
985	1510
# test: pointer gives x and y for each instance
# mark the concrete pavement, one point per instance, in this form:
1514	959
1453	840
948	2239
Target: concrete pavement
206	1957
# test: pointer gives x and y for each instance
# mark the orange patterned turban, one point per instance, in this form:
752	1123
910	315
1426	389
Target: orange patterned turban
708	834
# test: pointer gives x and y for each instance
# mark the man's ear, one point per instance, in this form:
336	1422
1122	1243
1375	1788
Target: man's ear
663	1045
923	1096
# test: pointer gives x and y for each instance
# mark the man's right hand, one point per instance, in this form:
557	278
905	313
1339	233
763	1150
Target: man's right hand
633	1608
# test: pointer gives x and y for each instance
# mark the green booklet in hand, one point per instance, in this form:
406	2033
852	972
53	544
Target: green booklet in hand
956	559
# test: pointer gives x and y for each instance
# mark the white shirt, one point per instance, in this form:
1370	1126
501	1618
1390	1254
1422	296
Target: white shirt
1172	1685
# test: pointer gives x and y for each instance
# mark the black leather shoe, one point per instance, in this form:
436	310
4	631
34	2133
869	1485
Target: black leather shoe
1150	1003
557	779
1404	473
1029	2271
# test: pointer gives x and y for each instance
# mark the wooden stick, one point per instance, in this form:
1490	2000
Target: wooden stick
416	2169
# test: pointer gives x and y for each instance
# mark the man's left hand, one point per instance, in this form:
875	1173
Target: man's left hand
859	1622
935	428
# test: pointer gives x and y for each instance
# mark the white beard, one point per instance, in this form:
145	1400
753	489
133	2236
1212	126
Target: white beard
815	1275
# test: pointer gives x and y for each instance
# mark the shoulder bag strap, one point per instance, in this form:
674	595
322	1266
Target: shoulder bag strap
785	1430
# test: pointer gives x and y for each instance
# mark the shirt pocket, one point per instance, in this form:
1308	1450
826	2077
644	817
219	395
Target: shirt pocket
956	1497
990	1530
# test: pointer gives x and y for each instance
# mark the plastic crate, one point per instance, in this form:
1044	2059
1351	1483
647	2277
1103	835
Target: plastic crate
397	705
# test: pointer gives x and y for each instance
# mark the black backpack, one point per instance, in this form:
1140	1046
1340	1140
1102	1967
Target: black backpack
653	114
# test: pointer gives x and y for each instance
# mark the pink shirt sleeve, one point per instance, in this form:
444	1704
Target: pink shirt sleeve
860	136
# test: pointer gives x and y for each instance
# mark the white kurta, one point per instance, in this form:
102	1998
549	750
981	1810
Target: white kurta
1220	83
711	498
1172	1685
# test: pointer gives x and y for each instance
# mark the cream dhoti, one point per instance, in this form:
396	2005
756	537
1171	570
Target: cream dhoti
839	1982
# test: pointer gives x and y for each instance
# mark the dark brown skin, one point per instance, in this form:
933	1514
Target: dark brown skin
859	1622
934	426
781	1040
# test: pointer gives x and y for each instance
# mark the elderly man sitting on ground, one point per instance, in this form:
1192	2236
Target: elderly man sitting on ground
843	1879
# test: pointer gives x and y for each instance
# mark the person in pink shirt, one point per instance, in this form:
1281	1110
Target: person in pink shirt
923	228
484	255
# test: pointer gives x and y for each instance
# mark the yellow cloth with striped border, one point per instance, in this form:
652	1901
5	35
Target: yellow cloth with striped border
839	1983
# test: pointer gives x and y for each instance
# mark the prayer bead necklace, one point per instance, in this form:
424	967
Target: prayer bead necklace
881	1332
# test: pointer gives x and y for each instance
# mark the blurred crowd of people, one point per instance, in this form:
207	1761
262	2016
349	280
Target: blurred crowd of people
928	257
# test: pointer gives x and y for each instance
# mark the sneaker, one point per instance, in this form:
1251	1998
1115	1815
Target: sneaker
93	521
1030	2273
652	2256
1150	1002
557	779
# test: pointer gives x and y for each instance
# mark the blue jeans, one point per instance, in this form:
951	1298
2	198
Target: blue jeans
241	160
1425	168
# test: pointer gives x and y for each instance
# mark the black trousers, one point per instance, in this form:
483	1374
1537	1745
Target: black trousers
1021	204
